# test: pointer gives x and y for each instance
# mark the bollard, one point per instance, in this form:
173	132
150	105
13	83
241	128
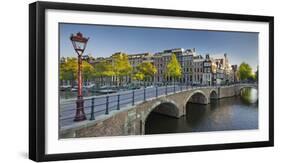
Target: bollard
156	91
144	94
133	98
93	109
118	102
107	111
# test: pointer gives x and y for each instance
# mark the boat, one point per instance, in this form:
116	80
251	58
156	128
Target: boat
106	89
89	86
64	87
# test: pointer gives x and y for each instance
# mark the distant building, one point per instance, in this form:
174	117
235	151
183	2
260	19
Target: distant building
136	59
197	69
235	73
162	59
207	73
223	73
187	66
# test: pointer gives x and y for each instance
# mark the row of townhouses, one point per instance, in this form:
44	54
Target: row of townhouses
196	69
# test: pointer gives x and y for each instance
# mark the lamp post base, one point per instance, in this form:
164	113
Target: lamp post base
80	114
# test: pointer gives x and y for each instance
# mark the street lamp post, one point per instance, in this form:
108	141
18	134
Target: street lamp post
79	44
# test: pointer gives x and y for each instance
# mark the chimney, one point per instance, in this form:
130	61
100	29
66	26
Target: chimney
207	56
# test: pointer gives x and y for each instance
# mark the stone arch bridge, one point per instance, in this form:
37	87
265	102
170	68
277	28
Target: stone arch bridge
131	120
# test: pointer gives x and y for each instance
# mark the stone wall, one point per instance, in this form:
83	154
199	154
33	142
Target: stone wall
227	91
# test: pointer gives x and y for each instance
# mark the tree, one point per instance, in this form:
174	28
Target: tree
87	71
138	76
144	71
257	74
173	68
103	69
245	71
69	68
121	66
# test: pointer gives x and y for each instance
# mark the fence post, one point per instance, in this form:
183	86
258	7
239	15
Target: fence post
133	98
174	88
144	95
166	89
93	109
156	91
107	111
118	102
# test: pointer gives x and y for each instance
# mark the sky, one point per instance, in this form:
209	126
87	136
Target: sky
106	40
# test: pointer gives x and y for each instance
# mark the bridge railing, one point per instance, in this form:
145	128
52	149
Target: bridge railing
103	105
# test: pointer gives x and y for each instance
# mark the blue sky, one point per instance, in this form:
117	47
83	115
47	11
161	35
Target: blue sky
106	40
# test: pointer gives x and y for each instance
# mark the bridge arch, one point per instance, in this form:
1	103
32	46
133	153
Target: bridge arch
197	96
247	86
167	108
213	94
241	87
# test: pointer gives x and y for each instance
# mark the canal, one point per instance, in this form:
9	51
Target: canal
234	113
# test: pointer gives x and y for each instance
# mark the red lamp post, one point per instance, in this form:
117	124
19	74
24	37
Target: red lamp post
79	44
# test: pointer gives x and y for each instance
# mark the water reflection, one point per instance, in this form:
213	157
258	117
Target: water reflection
235	113
249	95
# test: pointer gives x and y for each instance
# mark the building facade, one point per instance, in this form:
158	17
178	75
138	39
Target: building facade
196	69
207	73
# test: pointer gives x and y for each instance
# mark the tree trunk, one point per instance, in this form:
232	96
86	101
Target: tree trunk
72	83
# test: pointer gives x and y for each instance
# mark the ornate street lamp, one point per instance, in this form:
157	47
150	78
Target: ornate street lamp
79	44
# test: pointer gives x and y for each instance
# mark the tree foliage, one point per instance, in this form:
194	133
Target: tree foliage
144	71
257	74
138	76
87	70
173	68
245	71
121	64
69	68
103	69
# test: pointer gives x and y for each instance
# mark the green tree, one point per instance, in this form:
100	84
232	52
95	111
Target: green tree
245	71
87	71
138	76
144	71
173	68
69	68
257	74
103	69
121	66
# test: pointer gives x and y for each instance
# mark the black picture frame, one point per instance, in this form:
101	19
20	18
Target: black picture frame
37	80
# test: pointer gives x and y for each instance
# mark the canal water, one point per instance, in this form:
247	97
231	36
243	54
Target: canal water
234	113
